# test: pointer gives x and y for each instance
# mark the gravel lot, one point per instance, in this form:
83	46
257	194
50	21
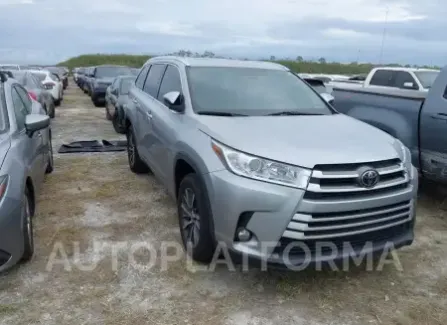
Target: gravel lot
94	198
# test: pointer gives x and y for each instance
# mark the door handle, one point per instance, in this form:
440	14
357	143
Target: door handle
439	116
149	115
134	100
39	134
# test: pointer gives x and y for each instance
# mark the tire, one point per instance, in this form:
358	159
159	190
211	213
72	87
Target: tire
57	102
27	228
97	103
193	208
108	116
50	166
117	123
136	164
52	112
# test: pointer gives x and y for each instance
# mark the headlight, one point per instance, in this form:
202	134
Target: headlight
260	168
405	156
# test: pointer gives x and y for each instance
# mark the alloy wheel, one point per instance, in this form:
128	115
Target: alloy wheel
190	218
131	149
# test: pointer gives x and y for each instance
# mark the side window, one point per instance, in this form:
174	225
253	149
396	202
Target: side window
153	79
139	82
382	78
20	111
25	98
402	77
170	82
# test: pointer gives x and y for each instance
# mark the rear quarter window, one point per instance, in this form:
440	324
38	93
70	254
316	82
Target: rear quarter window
382	78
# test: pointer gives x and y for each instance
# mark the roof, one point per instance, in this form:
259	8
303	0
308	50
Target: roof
406	69
213	62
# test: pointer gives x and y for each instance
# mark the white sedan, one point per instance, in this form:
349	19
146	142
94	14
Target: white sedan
51	82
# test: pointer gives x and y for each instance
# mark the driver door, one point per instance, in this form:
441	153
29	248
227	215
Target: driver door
31	148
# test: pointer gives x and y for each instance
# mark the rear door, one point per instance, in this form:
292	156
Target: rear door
164	121
148	103
136	97
30	148
433	133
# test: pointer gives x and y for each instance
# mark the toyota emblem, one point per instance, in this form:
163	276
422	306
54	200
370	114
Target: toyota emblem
369	178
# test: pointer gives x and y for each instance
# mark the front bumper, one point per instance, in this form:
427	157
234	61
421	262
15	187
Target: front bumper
267	210
11	235
99	94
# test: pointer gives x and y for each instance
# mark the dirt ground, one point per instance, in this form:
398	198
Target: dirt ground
94	198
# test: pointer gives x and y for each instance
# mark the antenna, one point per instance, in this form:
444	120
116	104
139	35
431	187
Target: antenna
383	36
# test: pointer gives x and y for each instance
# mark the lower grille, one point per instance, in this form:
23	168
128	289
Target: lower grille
325	247
340	224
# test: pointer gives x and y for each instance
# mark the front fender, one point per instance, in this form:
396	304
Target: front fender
388	121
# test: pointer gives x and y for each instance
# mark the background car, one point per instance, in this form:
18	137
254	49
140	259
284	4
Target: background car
51	82
86	84
116	98
61	72
36	90
101	77
25	157
9	67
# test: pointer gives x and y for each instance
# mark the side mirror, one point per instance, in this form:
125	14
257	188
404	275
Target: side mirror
174	101
36	122
328	98
409	85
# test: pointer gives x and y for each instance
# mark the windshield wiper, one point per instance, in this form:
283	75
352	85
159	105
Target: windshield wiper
219	113
290	113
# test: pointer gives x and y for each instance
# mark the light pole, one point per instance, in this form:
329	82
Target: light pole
383	36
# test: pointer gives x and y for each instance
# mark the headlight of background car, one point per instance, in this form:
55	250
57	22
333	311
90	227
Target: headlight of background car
260	168
405	156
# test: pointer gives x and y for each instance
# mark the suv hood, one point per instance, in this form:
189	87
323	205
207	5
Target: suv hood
303	140
5	144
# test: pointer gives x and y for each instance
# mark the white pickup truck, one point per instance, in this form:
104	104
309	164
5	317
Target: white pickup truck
394	77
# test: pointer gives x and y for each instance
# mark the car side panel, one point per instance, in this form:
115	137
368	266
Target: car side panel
397	116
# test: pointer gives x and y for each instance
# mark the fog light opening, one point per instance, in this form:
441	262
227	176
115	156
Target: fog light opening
243	234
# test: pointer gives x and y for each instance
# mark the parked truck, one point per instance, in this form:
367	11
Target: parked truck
418	119
393	78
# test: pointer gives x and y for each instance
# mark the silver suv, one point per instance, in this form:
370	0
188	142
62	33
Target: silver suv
257	160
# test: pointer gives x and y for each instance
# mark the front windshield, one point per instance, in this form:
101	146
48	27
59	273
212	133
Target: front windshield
110	72
125	85
427	78
251	91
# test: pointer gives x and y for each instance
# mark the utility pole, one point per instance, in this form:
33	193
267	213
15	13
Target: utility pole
383	36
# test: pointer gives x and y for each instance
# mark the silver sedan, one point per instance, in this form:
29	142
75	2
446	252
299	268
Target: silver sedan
25	156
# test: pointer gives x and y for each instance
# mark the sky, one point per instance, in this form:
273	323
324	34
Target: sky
377	31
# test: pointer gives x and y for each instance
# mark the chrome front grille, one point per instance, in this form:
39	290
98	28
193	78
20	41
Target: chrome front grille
335	204
340	182
329	225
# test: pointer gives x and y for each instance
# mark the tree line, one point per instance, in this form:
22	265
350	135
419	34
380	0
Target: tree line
298	64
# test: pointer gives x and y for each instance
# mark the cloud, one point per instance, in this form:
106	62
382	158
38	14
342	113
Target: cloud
52	30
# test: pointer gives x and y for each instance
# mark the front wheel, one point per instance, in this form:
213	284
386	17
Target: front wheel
50	165
108	115
117	123
27	228
52	111
195	219
136	164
